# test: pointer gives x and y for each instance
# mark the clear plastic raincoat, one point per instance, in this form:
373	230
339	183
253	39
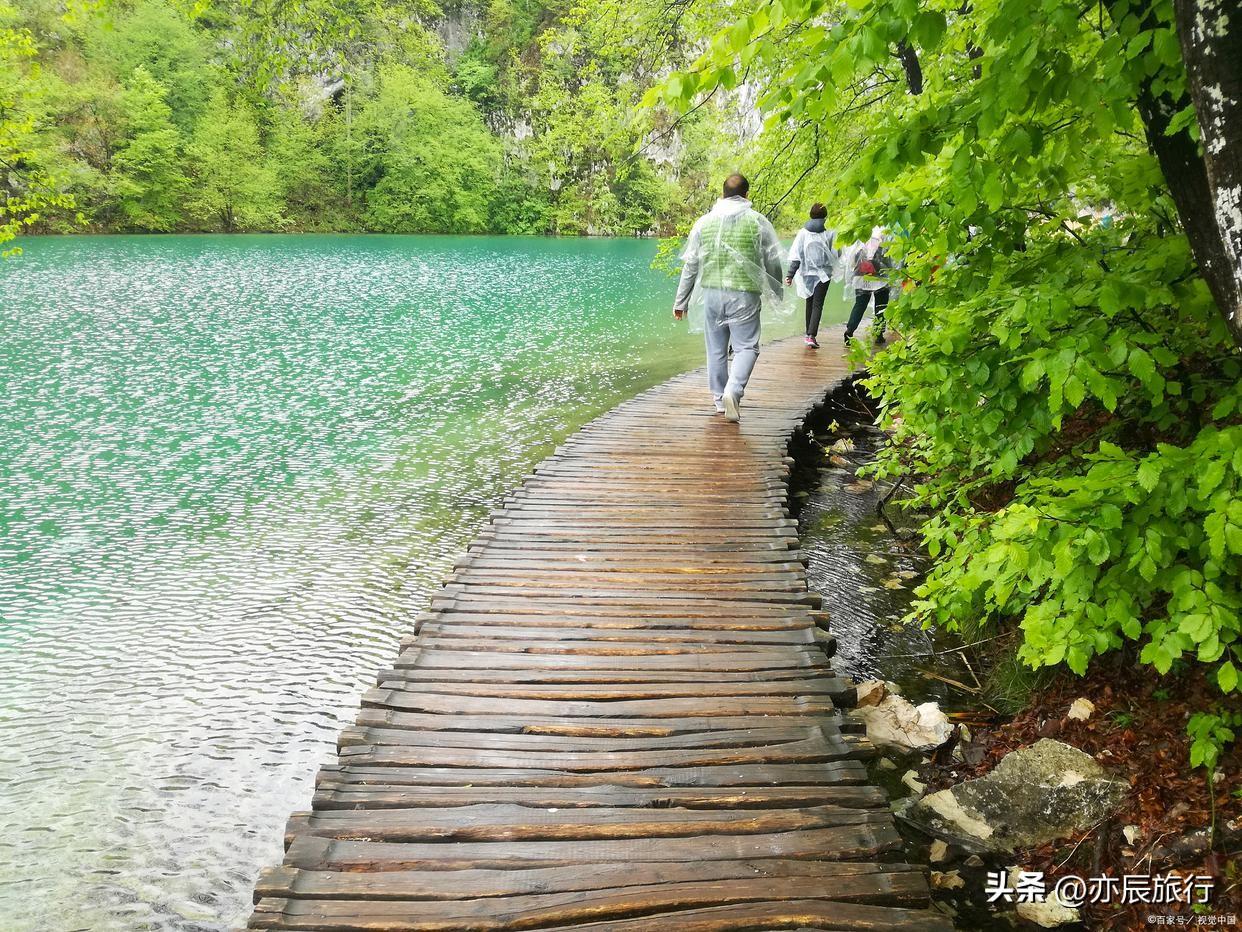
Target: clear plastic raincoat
816	251
732	267
867	266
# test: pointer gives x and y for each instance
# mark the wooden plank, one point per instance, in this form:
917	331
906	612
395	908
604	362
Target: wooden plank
549	910
412	701
412	679
479	638
707	609
472	884
465	675
623	621
505	823
811	750
601	728
837	843
734	738
655	649
381	796
828	773
554	653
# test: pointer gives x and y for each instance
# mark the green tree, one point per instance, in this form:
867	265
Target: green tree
234	187
159	37
520	205
433	164
148	181
299	163
26	187
1066	402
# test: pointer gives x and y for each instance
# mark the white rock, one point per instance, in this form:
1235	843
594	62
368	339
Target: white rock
1132	834
869	692
1049	914
1080	710
911	779
1034	795
895	723
947	880
938	852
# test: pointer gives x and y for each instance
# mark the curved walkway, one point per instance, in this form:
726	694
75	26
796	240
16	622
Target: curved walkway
618	714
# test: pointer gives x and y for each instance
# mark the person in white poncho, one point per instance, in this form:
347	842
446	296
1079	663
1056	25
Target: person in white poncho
732	267
868	277
813	259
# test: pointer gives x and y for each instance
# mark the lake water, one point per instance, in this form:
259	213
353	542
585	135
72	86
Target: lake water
231	469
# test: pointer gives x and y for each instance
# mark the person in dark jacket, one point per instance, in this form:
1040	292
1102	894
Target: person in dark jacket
813	260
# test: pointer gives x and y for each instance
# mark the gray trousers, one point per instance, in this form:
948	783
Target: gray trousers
731	318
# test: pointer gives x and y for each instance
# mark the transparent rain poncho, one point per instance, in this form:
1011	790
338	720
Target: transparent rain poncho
733	262
817	254
874	251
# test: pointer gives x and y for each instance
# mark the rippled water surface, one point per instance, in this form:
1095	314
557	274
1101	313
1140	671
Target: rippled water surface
231	469
866	573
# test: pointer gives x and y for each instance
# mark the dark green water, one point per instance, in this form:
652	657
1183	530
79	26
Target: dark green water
231	469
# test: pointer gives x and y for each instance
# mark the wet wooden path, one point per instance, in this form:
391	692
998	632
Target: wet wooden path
618	714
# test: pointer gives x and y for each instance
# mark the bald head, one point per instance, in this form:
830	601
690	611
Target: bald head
736	185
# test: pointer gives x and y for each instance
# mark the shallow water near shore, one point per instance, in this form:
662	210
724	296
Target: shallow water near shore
231	470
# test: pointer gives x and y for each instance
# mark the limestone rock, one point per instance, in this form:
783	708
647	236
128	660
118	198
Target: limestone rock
947	880
895	723
1080	710
939	852
1034	795
869	692
911	779
1048	913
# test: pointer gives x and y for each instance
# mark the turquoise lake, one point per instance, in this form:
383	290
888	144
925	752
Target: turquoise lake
231	470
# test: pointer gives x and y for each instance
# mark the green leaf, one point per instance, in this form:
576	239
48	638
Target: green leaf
1214	528
1211	477
1227	677
1141	365
1077	659
929	28
1075	391
1149	472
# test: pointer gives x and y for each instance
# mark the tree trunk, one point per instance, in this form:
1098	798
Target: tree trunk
1211	38
909	59
1183	164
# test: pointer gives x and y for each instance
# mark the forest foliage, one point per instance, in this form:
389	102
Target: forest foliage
504	116
1066	404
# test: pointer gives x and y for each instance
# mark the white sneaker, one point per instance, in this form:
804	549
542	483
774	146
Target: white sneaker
731	404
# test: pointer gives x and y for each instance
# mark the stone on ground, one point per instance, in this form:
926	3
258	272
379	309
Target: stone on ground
1048	913
1034	795
893	722
1080	710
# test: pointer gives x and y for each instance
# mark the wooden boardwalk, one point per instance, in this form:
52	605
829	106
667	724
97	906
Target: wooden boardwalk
618	714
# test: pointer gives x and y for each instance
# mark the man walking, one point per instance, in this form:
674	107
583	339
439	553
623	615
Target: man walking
732	261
